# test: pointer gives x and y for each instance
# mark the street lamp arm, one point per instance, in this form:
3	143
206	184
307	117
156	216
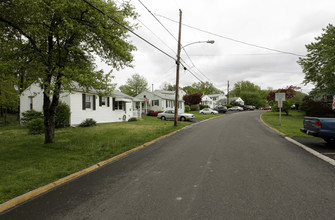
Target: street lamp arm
197	42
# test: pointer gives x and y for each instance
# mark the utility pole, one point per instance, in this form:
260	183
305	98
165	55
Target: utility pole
228	93
177	74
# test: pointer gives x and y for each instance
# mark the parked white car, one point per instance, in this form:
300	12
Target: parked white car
169	115
208	111
236	108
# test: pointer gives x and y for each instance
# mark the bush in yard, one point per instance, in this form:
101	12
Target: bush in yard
29	115
36	126
88	122
228	105
63	113
187	108
132	119
194	107
203	106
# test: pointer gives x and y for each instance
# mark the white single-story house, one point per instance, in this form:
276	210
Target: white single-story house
206	100
103	109
216	97
224	101
160	100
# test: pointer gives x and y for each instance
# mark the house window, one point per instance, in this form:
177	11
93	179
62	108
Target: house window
88	101
169	103
103	101
31	102
180	105
155	102
118	105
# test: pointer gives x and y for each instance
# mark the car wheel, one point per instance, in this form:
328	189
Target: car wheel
163	118
182	118
212	113
202	113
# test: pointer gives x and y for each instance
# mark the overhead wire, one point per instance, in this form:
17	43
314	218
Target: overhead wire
232	39
175	40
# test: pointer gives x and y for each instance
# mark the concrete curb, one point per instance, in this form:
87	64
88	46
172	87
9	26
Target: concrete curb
36	192
309	150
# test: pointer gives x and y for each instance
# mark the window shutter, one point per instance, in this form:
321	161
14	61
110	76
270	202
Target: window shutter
107	101
152	103
113	104
100	101
84	100
94	107
158	102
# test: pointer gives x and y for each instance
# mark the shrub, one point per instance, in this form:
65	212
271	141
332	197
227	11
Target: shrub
88	122
63	113
29	115
203	106
228	105
187	108
194	107
36	126
132	119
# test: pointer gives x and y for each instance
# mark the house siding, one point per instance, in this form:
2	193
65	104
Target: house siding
101	114
162	106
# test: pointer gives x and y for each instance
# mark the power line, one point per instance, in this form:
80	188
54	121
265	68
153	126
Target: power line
231	39
176	41
156	35
157	20
128	29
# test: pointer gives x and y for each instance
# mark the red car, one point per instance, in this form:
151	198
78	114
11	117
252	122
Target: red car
267	108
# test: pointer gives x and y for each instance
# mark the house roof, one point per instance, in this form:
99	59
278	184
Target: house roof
168	95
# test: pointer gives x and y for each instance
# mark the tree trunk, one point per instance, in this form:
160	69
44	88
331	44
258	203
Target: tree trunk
49	111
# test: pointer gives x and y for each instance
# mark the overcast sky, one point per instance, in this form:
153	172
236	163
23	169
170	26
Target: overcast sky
284	25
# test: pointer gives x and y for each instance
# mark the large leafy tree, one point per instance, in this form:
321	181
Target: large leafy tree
319	63
250	93
135	85
168	87
60	39
205	88
192	99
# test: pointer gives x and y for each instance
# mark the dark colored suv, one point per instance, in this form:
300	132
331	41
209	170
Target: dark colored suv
222	109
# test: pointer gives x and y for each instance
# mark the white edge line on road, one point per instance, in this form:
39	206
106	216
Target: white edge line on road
315	153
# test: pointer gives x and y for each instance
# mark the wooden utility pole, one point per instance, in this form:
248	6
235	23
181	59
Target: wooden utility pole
177	74
228	93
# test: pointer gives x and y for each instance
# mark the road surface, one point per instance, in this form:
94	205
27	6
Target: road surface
231	167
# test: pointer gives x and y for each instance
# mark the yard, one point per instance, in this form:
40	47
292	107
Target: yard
291	123
26	163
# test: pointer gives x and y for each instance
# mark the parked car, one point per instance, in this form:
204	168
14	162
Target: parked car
208	111
169	115
267	108
235	108
221	109
320	127
249	107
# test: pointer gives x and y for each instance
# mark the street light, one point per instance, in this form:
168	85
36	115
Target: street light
177	74
208	42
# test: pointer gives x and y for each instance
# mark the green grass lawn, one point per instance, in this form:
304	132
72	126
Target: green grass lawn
291	123
26	163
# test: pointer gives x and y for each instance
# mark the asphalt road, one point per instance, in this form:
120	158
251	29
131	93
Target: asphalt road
231	167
